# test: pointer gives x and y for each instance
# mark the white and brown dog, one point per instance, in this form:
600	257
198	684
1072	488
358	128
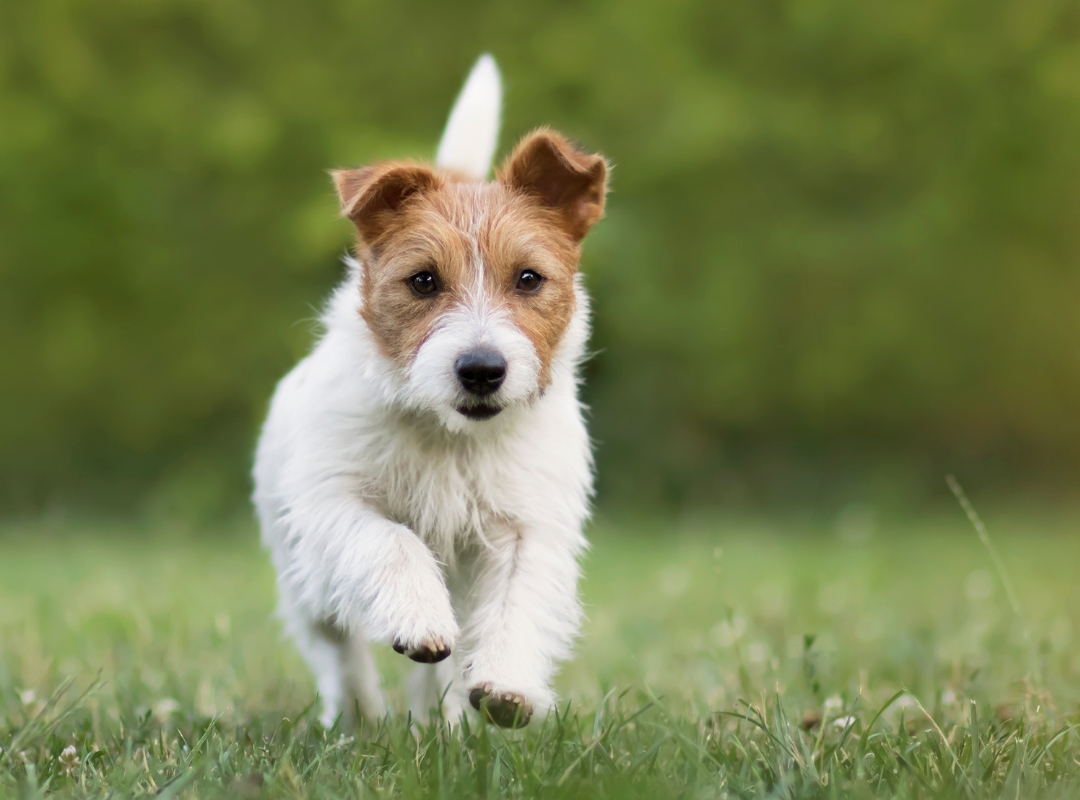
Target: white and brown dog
424	474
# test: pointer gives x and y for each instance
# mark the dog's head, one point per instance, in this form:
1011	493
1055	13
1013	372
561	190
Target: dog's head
468	288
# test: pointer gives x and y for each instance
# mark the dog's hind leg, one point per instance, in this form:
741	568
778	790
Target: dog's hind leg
323	657
342	664
351	686
433	690
361	676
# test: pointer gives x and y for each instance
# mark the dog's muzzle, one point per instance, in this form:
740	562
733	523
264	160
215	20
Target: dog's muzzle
481	372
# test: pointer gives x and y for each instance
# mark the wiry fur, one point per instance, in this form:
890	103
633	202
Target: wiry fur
391	516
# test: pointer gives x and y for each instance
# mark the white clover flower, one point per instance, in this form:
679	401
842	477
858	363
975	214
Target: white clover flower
164	708
905	706
906	701
69	759
843	722
27	696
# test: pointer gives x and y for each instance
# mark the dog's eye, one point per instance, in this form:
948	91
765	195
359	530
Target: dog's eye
423	283
529	281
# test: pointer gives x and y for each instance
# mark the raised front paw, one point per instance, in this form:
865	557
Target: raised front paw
506	709
409	606
422	625
425	631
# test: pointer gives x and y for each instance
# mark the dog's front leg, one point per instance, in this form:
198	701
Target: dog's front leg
523	619
363	571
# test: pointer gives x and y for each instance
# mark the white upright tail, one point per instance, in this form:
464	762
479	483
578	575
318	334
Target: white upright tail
472	132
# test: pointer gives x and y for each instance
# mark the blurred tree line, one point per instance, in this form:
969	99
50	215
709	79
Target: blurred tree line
842	242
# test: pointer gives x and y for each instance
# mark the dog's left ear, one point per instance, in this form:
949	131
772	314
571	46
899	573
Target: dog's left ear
546	166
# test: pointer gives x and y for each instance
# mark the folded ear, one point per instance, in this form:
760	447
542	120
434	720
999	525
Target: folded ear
546	166
372	196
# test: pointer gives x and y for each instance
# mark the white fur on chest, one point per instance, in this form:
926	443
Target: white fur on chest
451	488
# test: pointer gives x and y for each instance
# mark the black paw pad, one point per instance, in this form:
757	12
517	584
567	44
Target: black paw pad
426	654
429	655
505	709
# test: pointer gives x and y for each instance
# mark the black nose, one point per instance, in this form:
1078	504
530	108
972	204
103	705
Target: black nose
481	371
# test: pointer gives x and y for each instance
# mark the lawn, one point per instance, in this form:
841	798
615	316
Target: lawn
722	657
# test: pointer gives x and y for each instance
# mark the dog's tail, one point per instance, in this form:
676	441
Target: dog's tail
468	143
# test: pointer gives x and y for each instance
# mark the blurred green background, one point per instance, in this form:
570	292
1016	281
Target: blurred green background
842	256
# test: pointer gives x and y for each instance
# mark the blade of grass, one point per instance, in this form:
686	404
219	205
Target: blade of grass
945	742
984	537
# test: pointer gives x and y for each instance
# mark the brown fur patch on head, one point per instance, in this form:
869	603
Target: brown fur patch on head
523	236
475	238
422	238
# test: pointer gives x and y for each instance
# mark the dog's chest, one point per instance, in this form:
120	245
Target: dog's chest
448	492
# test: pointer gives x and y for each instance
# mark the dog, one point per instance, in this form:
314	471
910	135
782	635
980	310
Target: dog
423	476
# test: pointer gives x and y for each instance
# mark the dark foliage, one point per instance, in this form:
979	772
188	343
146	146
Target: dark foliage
840	233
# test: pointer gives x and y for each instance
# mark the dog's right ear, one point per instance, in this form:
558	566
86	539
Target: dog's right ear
372	196
546	166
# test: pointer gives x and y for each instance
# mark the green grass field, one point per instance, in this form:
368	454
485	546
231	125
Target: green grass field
778	658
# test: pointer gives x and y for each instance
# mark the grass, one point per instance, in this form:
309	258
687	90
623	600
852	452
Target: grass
748	658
